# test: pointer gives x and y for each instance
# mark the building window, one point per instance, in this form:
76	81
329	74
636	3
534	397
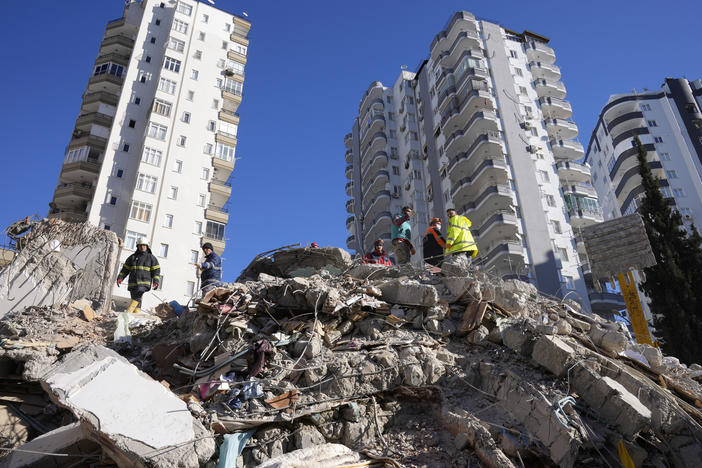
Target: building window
201	36
109	68
168	221
186	117
148	59
395	170
172	64
201	200
236	67
157	131
240	49
178	166
556	227
550	200
173	193
184	8
181	140
211	125
146	183
167	86
227	128
214	230
522	91
391	116
197	228
568	280
227	27
513	53
140	211
233	86
652	123
157	22
163	251
543	176
194	74
176	44
151	156
208	148
113	201
205	174
142	79
215	103
671	174
190	288
197	55
205	18
137	100
645	107
131	238
193	256
518	72
125	147
225	152
152	40
665	191
190	96
658	139
417	174
162	107
120	173
180	26
393	133
563	253
678	192
220	63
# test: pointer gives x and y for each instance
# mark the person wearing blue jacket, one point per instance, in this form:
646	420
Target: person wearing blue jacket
210	269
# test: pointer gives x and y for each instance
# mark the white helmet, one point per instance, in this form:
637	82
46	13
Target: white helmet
142	241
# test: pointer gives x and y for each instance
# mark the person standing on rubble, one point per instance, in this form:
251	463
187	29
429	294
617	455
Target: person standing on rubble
459	240
378	255
433	243
143	270
402	236
210	269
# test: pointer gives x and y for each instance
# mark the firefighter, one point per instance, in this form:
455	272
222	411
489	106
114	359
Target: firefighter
143	271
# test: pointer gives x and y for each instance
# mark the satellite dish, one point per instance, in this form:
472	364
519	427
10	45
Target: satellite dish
211	2
245	14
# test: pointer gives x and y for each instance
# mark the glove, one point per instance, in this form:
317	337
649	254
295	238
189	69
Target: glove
155	285
119	282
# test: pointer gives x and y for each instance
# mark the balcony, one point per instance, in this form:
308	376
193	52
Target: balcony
349	171
234	55
217	213
218	244
115	24
120	59
349	189
626	122
489	172
461	140
229	116
498	227
73	193
377	162
539	52
223	189
348	140
579	218
100	96
118	43
380	202
226	138
606	304
348	156
376	124
485	146
223	168
545	71
349	222
379	142
464	42
507	258
106	81
351	242
232	97
547	88
556	108
94	118
569	171
69	216
83	139
582	189
494	199
350	206
80	170
372	96
460	22
379	226
378	182
560	129
239	38
567	149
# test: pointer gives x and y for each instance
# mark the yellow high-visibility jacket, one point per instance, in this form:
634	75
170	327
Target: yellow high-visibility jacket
459	236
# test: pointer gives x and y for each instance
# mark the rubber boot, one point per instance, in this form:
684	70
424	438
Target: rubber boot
132	306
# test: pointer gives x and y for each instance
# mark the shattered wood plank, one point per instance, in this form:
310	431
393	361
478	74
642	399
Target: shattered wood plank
285	400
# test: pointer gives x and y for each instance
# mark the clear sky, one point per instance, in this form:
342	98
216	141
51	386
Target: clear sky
309	64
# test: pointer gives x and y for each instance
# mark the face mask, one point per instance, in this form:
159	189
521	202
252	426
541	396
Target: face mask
438	226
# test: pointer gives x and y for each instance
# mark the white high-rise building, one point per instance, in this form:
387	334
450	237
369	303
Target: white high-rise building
669	124
481	126
154	143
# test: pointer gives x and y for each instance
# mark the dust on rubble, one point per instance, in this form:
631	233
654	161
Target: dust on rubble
311	357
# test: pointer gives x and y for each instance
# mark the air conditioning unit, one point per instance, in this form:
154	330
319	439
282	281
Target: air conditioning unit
533	149
526	125
529	116
229	72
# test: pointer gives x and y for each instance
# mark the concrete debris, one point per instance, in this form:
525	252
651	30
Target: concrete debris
311	359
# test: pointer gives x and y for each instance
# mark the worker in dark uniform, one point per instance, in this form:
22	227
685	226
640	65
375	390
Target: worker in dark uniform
143	270
210	269
433	243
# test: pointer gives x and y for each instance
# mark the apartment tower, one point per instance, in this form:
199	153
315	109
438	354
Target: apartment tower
482	126
154	142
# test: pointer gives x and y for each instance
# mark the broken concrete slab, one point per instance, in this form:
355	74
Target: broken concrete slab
59	263
409	292
372	271
119	404
553	354
324	455
51	442
307	262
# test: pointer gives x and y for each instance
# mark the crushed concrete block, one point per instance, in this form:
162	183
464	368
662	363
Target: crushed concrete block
373	272
308	436
518	338
478	335
412	375
579	325
433	370
52	442
60	262
455	265
307	262
461	287
514	295
553	354
409	292
563	327
320	455
653	356
119	404
610	340
544	329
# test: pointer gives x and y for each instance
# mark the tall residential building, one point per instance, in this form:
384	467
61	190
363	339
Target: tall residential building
669	124
480	126
154	142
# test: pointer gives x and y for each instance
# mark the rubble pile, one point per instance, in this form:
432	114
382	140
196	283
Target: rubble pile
311	359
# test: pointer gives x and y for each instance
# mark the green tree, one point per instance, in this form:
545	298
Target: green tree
674	284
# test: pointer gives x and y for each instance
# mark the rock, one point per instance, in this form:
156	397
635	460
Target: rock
546	329
456	265
518	338
308	436
564	328
307	262
433	370
578	324
412	375
478	335
100	387
351	412
433	325
553	354
461	440
461	287
320	455
409	292
373	272
514	295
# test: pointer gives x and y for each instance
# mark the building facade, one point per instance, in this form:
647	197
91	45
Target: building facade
481	126
155	140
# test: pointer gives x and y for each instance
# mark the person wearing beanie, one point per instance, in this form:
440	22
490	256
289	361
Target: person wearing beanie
378	255
433	243
210	269
143	270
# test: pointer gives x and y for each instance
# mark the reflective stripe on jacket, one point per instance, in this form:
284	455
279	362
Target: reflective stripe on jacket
143	269
211	268
459	236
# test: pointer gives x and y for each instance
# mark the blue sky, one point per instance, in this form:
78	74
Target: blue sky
309	64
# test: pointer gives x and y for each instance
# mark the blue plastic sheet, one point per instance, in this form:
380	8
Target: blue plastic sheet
231	448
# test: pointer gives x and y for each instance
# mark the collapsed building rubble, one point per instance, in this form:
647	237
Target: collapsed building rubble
311	359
